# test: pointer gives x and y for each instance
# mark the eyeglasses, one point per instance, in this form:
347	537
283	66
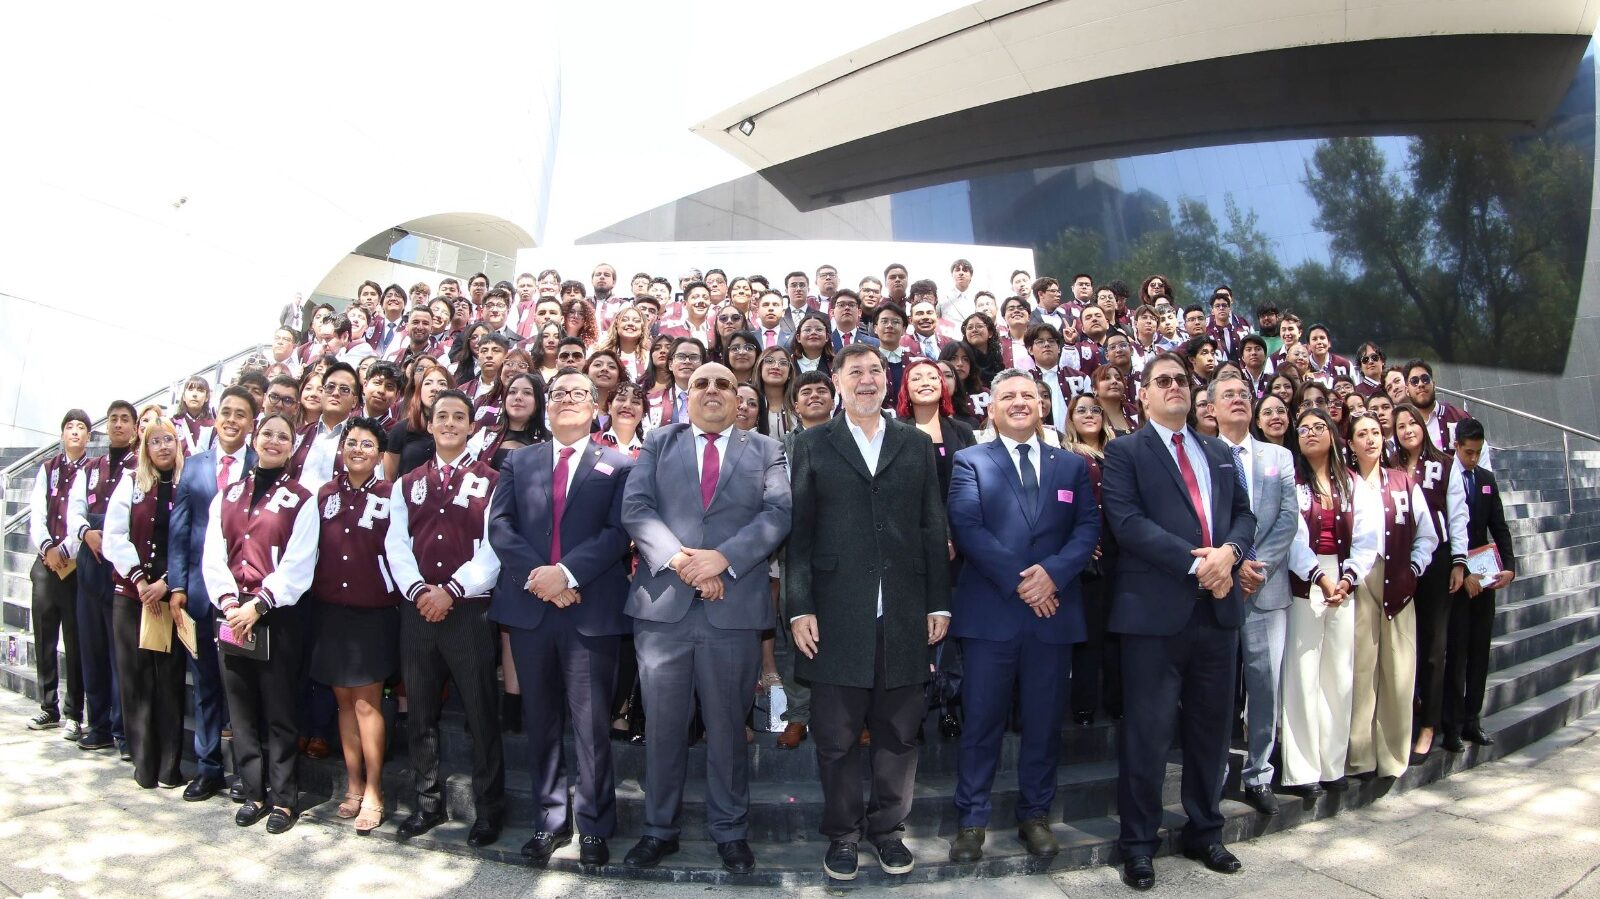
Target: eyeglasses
1316	403
1162	382
776	362
685	357
279	399
1046	341
161	440
337	390
741	348
573	358
1092	410
705	383
1420	380
1316	430
574	395
1370	357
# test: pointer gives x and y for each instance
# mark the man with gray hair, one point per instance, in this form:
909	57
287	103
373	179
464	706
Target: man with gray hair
1269	479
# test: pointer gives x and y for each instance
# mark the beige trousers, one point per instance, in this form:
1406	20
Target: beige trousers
1385	679
1317	686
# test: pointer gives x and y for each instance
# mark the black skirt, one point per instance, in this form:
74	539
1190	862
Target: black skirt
355	646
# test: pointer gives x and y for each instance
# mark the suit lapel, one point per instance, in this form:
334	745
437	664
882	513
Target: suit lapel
585	463
1047	468
845	445
1217	474
1002	460
894	439
687	463
1164	459
736	443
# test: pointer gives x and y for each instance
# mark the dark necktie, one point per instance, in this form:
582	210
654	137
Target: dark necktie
1239	463
710	468
1192	484
560	490
1030	478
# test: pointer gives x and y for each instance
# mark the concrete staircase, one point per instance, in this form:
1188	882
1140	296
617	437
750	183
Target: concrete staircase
1545	673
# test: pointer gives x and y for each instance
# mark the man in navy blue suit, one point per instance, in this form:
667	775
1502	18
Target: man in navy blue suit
847	326
1181	514
556	524
1024	515
229	459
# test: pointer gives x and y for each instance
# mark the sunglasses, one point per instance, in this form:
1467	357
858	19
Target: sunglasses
1370	357
1420	380
1162	382
723	384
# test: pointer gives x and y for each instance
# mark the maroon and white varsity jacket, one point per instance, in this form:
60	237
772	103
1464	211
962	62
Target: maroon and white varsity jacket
136	534
266	549
47	507
439	529
352	569
1409	538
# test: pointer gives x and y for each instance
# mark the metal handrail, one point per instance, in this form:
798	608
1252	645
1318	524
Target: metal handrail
1567	431
31	460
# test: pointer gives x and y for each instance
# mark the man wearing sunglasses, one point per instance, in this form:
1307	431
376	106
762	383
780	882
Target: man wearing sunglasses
1442	417
314	460
706	505
1180	509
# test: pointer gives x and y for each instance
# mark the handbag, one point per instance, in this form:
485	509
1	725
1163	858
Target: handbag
258	647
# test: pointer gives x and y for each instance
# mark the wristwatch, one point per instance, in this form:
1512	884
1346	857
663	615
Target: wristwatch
261	606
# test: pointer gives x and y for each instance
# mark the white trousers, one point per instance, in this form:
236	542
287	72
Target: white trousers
1318	686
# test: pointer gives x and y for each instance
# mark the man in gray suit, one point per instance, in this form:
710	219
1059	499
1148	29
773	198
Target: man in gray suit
1265	580
706	504
867	590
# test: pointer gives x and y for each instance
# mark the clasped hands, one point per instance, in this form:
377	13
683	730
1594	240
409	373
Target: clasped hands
701	569
549	583
1038	590
434	602
55	559
1216	569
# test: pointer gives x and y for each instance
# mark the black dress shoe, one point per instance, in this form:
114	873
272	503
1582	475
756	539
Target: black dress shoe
91	742
893	856
1306	791
737	857
950	727
202	788
1418	758
649	851
1083	719
250	813
280	820
1261	798
842	860
418	824
1216	857
1476	735
1336	786
543	843
484	832
236	791
593	851
1452	743
1139	872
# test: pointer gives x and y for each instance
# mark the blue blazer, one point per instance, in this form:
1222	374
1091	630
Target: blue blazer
999	536
593	545
862	335
1156	528
191	514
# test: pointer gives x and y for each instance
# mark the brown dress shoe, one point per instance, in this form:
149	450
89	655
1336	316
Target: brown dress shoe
794	733
317	748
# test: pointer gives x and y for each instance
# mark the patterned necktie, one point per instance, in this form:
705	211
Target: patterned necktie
1244	484
1192	484
445	471
560	489
845	338
710	469
222	472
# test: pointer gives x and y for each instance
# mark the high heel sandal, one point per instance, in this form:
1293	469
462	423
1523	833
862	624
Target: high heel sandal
350	807
370	819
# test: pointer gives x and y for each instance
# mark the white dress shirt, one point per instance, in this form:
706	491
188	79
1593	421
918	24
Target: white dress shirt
1016	458
1249	446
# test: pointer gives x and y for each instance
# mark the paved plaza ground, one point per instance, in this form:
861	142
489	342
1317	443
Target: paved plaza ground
74	824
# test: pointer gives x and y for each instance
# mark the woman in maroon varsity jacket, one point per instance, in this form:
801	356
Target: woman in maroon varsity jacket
358	622
136	542
1386	621
260	552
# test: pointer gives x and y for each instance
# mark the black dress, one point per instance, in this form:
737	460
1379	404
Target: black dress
415	450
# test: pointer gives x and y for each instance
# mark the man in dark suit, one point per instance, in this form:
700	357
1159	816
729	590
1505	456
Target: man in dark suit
1466	667
1178	507
556	525
706	505
228	460
1024	516
867	590
847	325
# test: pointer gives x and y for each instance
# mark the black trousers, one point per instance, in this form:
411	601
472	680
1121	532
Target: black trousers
459	649
1184	683
1433	636
261	704
1466	666
55	632
894	716
1097	662
152	698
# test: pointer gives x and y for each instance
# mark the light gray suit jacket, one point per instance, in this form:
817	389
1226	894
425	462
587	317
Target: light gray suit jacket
1272	498
748	519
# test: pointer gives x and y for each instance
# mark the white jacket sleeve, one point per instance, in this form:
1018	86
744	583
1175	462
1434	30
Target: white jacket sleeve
290	580
38	512
118	547
1456	507
1427	539
1302	561
221	586
397	545
477	575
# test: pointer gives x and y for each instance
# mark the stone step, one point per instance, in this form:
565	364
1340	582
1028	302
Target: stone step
1531	642
1512	616
1519	683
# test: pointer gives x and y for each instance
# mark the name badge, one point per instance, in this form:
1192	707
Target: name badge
604	468
1486	489
1063	496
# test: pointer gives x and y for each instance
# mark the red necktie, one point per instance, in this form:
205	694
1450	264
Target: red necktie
1192	484
845	338
445	472
560	487
709	470
224	464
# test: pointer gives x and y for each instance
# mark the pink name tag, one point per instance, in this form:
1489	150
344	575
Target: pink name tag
1063	496
1486	489
1272	472
603	467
